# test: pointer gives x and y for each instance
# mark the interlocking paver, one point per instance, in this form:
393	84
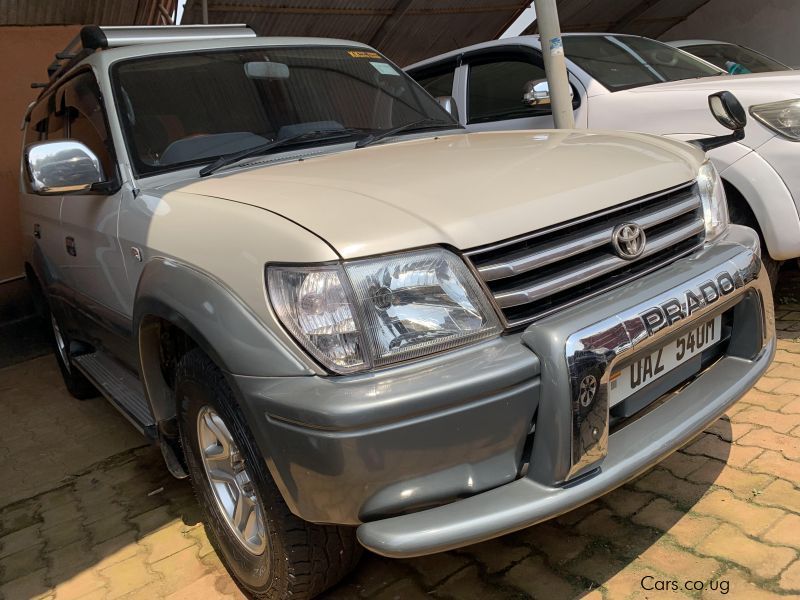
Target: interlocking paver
127	576
80	585
730	497
750	518
790	578
785	532
625	501
497	555
688	530
766	439
667	559
764	560
741	483
435	569
29	585
20	540
179	570
536	578
782	494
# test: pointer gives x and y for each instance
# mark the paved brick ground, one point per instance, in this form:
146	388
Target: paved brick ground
725	509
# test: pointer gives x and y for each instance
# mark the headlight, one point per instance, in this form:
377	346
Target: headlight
374	312
782	117
715	204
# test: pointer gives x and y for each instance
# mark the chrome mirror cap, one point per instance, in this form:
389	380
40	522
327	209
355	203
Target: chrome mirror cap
537	93
62	167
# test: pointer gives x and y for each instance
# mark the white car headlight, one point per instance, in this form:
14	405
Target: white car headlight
715	204
374	312
782	117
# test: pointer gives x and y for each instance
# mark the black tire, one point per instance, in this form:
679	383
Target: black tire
76	382
741	214
301	559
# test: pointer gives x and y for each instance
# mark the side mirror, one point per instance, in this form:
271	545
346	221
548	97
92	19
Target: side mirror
449	104
61	167
729	113
537	93
727	110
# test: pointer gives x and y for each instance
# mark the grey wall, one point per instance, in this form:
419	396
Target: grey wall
769	26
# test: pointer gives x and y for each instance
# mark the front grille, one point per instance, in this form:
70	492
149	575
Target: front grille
539	273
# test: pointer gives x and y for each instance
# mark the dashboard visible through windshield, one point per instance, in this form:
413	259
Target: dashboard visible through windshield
188	109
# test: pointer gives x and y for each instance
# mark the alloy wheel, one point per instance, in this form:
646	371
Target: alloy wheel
230	481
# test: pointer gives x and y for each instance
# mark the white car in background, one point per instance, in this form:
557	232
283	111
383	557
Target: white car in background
732	58
638	84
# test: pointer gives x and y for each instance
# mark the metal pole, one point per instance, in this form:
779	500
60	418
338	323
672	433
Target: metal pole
205	12
554	64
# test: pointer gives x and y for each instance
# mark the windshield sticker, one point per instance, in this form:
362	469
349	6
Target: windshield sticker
363	54
384	68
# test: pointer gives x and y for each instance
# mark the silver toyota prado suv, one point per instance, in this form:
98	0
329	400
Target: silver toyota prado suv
352	324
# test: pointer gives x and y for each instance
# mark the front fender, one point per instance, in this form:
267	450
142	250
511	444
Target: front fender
230	332
214	317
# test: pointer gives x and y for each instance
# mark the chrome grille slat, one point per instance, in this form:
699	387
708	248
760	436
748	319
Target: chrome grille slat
596	268
580	242
538	273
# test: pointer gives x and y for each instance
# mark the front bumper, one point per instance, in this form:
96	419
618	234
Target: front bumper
453	431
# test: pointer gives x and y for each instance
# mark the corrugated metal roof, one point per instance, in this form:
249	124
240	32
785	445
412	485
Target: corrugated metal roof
650	18
404	30
84	12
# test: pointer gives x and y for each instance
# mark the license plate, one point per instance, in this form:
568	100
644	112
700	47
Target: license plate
632	378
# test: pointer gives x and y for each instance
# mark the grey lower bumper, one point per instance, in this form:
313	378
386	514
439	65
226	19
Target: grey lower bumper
575	458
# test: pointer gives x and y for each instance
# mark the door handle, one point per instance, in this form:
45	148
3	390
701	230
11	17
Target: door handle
70	243
37	231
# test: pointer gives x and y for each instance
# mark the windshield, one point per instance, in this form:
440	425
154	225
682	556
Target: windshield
624	62
736	59
188	109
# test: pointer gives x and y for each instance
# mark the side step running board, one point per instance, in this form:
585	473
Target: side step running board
121	387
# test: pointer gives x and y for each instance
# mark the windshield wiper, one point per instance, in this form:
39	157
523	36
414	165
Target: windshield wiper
377	137
234	157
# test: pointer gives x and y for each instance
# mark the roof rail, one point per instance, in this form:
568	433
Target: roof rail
96	37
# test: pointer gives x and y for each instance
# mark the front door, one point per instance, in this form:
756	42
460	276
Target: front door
91	255
495	85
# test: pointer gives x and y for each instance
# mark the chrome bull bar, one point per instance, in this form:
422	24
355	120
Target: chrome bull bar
593	352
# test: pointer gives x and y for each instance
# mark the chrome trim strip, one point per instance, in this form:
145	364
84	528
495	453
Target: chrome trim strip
582	242
620	207
566	279
596	350
541	315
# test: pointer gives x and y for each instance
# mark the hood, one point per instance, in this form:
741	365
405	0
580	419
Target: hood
681	107
464	190
774	82
767	87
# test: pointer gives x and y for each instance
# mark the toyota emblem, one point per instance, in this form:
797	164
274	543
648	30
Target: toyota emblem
629	240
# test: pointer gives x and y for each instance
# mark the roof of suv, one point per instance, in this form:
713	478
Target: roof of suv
106	57
509	41
686	43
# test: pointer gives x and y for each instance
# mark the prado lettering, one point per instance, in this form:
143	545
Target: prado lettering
672	310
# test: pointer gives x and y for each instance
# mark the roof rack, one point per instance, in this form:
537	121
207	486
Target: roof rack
95	37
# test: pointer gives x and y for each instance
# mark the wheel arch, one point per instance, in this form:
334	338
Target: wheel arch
181	306
755	183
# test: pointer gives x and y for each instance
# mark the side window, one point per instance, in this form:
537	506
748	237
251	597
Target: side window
37	124
82	112
495	89
437	83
